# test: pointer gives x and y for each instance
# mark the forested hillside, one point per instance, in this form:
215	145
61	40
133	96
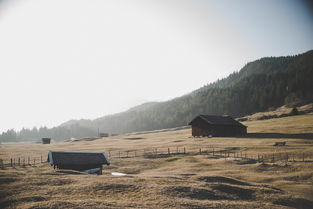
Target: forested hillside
264	83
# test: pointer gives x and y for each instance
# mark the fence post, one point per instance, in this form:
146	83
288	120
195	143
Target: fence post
1	164
200	151
11	162
273	158
168	151
302	157
14	162
184	150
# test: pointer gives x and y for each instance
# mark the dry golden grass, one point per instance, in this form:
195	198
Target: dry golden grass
171	181
279	112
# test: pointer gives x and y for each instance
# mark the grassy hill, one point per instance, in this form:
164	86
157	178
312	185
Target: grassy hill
156	179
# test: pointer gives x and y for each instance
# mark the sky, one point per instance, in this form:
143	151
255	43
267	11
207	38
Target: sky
73	59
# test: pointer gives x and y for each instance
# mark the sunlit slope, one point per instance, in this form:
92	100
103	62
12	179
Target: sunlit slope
190	180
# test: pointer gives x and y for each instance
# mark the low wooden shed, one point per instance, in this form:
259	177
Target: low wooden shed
46	140
80	161
216	125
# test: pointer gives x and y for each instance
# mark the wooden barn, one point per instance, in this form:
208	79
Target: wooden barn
216	125
46	140
103	135
80	161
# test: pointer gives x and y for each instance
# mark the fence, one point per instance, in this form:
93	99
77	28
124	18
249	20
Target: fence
217	152
228	153
21	162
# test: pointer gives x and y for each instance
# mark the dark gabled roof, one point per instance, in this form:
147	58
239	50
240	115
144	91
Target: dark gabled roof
217	120
77	158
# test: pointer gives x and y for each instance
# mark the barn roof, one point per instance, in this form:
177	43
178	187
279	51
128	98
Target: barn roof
217	120
77	158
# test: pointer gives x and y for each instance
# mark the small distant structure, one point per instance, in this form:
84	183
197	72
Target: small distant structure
216	125
46	140
279	144
90	162
103	135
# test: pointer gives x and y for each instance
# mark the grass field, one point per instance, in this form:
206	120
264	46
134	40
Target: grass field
157	180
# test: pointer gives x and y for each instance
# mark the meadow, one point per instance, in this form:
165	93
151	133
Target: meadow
171	169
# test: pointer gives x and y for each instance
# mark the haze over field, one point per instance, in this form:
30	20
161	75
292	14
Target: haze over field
62	60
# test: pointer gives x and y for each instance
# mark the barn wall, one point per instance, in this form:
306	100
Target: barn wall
46	141
200	131
224	130
217	130
79	167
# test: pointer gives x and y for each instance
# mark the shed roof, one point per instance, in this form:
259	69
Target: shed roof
77	158
217	120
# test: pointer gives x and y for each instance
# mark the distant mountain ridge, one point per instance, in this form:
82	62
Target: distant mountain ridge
259	85
181	110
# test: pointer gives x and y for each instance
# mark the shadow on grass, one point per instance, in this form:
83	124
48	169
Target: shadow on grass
7	180
298	203
65	172
278	135
222	179
193	193
238	192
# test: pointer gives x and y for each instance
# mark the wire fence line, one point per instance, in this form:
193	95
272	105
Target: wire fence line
21	161
227	153
221	152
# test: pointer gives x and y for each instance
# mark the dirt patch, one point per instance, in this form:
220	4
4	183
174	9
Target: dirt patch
222	179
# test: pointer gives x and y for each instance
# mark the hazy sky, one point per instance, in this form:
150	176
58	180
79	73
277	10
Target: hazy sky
72	59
